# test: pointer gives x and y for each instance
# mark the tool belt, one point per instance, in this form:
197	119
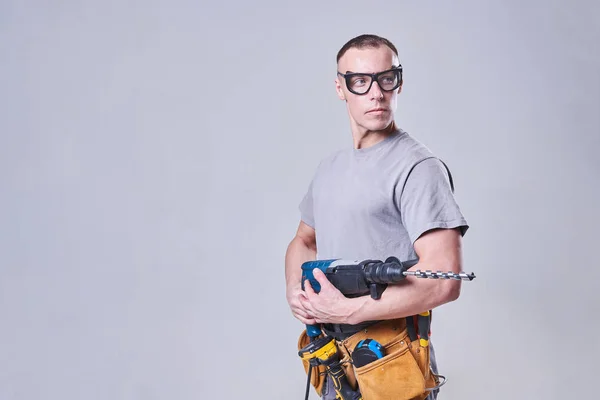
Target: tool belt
343	331
404	373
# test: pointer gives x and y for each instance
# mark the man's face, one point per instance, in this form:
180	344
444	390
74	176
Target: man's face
375	109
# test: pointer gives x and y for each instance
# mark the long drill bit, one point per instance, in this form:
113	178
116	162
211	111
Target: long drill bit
440	275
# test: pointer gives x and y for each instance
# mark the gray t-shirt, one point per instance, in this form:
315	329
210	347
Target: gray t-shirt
375	202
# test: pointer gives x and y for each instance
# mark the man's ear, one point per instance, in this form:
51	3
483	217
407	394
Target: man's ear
339	90
400	87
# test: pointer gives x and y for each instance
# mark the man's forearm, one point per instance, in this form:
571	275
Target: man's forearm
407	298
297	253
438	249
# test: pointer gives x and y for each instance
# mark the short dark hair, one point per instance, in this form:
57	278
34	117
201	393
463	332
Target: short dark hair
366	41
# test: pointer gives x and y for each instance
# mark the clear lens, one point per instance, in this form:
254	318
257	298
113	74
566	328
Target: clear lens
389	80
359	83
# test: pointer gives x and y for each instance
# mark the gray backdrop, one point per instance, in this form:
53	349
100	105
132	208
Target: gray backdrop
153	154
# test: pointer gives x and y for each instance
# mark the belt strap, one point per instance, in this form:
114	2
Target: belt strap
343	331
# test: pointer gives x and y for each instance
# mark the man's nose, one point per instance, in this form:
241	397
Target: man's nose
375	91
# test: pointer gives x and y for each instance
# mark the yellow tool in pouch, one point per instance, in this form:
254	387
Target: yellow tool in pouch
323	351
318	374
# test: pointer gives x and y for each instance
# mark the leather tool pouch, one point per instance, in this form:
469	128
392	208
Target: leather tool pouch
403	373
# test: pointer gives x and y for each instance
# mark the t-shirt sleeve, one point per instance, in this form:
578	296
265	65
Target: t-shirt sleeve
427	200
306	207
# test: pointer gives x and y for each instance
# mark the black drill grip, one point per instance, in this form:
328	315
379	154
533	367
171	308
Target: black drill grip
340	382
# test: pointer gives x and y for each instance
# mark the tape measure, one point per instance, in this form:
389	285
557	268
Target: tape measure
367	351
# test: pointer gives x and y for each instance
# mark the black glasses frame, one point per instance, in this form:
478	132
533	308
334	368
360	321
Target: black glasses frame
374	77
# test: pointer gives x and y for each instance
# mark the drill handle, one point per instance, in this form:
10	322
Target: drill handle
313	331
340	382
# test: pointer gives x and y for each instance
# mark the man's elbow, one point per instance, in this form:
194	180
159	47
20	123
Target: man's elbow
452	292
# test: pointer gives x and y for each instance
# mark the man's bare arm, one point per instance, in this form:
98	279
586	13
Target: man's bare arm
438	249
303	247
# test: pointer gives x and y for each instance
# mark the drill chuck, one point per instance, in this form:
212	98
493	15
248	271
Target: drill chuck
391	271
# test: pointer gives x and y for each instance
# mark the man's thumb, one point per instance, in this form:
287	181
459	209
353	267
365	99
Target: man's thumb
320	277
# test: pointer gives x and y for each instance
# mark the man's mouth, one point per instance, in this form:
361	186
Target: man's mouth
378	110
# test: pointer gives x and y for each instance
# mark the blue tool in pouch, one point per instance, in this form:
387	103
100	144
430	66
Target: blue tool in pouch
367	351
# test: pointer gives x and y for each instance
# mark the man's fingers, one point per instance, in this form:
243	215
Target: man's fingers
321	278
306	321
301	312
302	295
305	303
302	307
303	316
308	289
301	302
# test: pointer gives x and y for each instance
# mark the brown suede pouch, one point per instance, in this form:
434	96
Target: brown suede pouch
402	374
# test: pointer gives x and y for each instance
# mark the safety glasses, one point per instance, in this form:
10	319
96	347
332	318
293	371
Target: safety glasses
360	83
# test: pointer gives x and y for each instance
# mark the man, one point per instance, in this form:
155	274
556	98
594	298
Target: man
388	195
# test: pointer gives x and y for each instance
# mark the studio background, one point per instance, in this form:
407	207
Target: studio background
153	155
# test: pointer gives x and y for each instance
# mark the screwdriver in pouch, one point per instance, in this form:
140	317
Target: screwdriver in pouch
410	327
424	319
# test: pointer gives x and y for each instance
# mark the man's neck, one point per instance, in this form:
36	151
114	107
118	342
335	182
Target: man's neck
364	138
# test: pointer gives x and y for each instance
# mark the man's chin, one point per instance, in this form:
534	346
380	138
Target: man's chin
377	125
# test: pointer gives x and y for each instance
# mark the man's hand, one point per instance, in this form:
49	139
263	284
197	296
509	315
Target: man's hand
329	306
303	247
295	297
